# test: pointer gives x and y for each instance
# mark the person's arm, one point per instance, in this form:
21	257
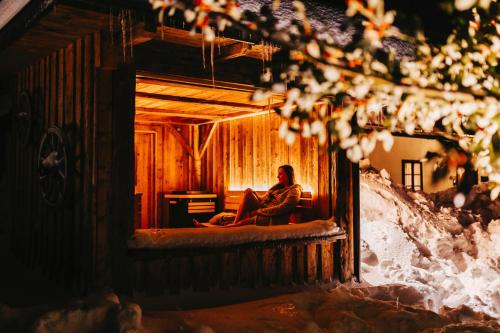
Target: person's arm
291	200
264	197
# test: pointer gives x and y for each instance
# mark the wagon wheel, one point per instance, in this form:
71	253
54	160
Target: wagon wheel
24	118
53	166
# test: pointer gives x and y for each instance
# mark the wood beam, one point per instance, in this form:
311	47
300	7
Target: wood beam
181	139
165	113
184	99
207	141
165	79
140	35
164	121
241	116
197	158
232	51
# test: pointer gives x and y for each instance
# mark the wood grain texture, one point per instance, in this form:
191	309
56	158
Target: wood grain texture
59	239
266	265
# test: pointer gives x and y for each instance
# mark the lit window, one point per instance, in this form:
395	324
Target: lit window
412	175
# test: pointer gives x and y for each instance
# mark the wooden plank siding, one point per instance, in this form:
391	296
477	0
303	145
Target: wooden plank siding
171	167
241	153
247	153
163	272
71	243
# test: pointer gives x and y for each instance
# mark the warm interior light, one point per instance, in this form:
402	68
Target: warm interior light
305	188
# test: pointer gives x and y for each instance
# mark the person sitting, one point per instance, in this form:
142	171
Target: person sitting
274	208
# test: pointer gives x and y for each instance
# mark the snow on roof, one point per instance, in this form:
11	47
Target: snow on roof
221	237
326	18
9	9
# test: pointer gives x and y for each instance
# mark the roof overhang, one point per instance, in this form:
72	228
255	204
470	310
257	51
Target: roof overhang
9	9
194	101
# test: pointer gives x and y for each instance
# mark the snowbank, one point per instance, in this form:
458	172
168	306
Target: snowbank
343	309
408	239
477	207
96	314
221	237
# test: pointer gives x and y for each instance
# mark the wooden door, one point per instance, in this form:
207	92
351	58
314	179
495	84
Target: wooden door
145	153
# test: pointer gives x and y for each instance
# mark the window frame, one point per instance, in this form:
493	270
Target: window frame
403	174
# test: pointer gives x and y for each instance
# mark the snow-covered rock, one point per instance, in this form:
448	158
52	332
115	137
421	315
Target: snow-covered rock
95	314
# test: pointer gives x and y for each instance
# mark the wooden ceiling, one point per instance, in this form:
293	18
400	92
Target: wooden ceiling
158	98
56	30
64	23
195	101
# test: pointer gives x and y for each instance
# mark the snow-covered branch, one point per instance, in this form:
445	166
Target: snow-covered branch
452	88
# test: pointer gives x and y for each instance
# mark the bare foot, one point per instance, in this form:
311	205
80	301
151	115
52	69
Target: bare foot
197	224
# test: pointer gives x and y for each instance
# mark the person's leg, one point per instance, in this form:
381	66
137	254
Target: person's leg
245	221
249	202
197	224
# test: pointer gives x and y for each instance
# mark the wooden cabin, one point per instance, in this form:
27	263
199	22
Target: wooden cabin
115	127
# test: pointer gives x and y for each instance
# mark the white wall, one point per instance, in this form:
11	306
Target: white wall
410	149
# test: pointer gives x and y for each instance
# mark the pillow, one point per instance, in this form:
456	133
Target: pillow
219	218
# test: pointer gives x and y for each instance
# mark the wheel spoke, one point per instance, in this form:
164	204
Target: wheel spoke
58	145
59	172
52	144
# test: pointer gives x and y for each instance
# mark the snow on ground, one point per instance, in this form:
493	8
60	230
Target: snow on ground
408	240
95	314
342	309
348	309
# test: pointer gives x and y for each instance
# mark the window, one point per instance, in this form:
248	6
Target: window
412	175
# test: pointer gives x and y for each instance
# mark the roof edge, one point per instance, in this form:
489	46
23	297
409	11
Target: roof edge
24	18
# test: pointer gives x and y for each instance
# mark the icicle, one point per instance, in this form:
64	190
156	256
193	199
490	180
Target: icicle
124	34
131	33
203	46
212	61
218	40
111	28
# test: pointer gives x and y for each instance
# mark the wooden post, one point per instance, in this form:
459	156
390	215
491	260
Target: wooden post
347	217
197	158
122	175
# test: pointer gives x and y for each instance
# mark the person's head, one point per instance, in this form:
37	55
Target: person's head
286	176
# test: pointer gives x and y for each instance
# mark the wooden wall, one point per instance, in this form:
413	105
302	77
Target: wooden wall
247	153
74	243
255	152
155	142
62	91
241	153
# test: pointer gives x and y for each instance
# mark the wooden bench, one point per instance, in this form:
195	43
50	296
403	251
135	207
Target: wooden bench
303	212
